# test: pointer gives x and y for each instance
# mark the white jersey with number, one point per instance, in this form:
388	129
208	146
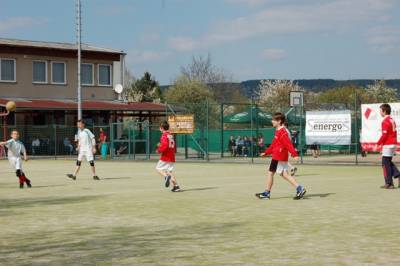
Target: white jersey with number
15	148
86	140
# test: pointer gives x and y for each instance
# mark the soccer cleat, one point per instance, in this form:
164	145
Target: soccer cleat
21	185
386	186
28	182
300	193
96	177
73	177
176	189
167	180
263	195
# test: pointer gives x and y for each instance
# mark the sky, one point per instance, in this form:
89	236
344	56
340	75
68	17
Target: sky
248	39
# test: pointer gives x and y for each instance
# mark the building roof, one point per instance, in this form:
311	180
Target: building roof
56	45
70	105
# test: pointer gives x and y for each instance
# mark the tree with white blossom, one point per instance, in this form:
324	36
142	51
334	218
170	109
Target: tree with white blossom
274	94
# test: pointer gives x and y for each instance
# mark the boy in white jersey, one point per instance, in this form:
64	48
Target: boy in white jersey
86	148
15	149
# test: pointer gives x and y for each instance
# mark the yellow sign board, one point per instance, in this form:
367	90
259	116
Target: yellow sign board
181	124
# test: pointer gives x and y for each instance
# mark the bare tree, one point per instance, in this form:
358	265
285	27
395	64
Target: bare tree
129	79
202	69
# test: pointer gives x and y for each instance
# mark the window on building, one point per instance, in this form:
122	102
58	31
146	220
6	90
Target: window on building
39	71
58	73
87	74
7	70
104	75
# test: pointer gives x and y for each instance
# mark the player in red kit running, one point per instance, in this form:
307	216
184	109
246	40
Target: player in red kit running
167	149
388	142
280	148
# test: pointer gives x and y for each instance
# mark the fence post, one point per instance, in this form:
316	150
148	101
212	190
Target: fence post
356	140
251	123
222	129
55	141
208	131
148	140
301	134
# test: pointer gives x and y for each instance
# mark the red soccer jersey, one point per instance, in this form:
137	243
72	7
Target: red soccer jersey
167	147
389	132
281	146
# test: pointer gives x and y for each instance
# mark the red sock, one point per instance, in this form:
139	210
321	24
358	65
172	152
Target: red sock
21	179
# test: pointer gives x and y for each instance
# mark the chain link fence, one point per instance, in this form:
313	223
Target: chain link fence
229	132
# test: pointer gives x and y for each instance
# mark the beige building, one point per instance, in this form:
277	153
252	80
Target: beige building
43	70
41	77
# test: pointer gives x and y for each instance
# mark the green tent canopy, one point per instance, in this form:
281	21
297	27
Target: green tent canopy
259	117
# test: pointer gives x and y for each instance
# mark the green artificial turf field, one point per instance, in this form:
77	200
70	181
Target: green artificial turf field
129	218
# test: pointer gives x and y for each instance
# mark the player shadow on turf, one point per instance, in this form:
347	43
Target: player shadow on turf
27	202
50	186
112	178
310	196
118	243
199	189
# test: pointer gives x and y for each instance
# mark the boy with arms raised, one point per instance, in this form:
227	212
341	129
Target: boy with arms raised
166	148
15	149
86	148
280	148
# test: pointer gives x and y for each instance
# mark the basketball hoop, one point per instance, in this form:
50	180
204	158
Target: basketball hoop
296	99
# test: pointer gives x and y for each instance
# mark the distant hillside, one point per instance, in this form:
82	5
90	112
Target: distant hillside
248	87
318	85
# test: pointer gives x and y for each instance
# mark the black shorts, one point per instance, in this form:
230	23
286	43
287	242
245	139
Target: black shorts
273	166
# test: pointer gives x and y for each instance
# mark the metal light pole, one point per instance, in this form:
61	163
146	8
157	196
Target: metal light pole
79	44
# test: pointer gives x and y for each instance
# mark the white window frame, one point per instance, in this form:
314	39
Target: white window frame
65	73
15	70
84	84
46	67
98	75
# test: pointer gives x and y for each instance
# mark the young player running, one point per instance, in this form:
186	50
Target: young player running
15	149
86	148
388	142
280	148
165	165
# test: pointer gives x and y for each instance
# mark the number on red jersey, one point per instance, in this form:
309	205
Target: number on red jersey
171	142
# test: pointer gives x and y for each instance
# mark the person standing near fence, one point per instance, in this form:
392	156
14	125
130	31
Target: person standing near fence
388	142
232	146
103	144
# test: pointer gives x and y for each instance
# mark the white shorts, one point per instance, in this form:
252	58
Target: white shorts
165	166
389	150
87	154
282	167
16	162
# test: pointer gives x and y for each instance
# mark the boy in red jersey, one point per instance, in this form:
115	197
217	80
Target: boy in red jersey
388	141
167	149
280	148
